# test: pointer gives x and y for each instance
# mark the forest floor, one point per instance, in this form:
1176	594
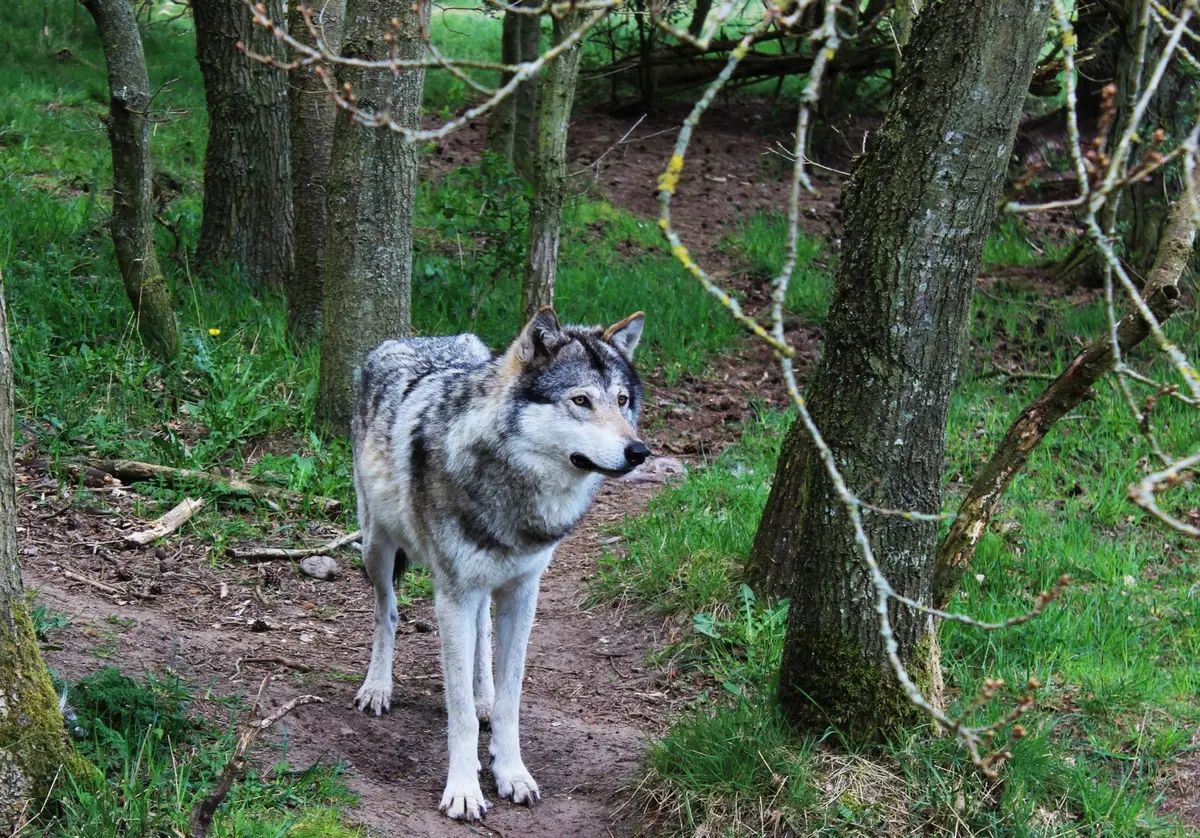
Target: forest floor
591	699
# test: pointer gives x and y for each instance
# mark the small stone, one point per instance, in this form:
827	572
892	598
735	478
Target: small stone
320	567
423	627
657	470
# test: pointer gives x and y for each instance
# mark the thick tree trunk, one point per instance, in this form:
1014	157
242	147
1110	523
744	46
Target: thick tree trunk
129	135
311	113
372	185
526	105
1065	393
550	172
33	747
247	216
918	211
502	122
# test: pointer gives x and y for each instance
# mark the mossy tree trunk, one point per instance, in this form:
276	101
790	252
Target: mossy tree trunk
550	172
501	123
526	109
311	113
918	210
511	126
129	136
699	15
247	213
33	747
372	186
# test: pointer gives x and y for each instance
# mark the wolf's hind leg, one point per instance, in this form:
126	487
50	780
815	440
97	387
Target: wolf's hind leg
380	557
485	691
515	608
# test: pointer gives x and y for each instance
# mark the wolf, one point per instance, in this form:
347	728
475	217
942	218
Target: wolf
477	466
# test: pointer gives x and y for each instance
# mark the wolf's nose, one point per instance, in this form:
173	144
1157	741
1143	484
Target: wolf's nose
636	452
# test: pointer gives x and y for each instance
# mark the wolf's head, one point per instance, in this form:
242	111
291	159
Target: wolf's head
576	393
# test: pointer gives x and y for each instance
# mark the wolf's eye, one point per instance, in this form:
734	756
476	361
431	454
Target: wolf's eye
622	400
582	401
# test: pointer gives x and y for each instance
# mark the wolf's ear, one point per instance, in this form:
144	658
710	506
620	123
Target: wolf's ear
626	334
541	337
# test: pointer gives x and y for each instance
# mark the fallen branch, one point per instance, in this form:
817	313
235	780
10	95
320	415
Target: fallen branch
264	553
100	586
202	815
132	470
1070	388
277	661
167	524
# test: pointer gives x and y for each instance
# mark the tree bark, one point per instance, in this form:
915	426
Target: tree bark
33	746
372	186
918	211
1139	212
311	113
699	15
550	172
502	122
1072	386
133	208
247	214
526	105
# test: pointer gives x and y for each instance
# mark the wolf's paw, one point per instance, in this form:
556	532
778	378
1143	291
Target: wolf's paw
374	698
516	784
464	801
483	712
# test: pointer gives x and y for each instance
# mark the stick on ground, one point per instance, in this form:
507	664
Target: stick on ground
267	553
167	524
132	470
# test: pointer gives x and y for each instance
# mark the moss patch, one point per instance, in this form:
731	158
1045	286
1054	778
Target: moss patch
32	738
828	680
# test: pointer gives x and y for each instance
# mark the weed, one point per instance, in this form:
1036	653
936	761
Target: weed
158	758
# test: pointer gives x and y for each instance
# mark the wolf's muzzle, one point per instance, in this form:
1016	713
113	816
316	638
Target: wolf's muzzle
635	454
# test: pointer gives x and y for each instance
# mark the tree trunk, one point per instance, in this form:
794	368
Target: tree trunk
129	135
247	216
33	746
372	186
502	122
699	15
1139	212
550	171
918	211
1064	394
311	112
526	106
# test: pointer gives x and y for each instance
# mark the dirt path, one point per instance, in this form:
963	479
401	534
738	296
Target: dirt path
589	703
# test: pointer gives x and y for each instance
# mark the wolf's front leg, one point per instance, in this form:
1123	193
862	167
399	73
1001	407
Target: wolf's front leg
379	559
457	616
515	609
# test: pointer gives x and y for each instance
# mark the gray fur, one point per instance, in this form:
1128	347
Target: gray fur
477	466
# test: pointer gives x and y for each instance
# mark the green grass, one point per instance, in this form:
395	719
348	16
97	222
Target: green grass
157	757
760	242
1119	654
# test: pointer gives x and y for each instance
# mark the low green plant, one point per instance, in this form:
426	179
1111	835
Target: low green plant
158	758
